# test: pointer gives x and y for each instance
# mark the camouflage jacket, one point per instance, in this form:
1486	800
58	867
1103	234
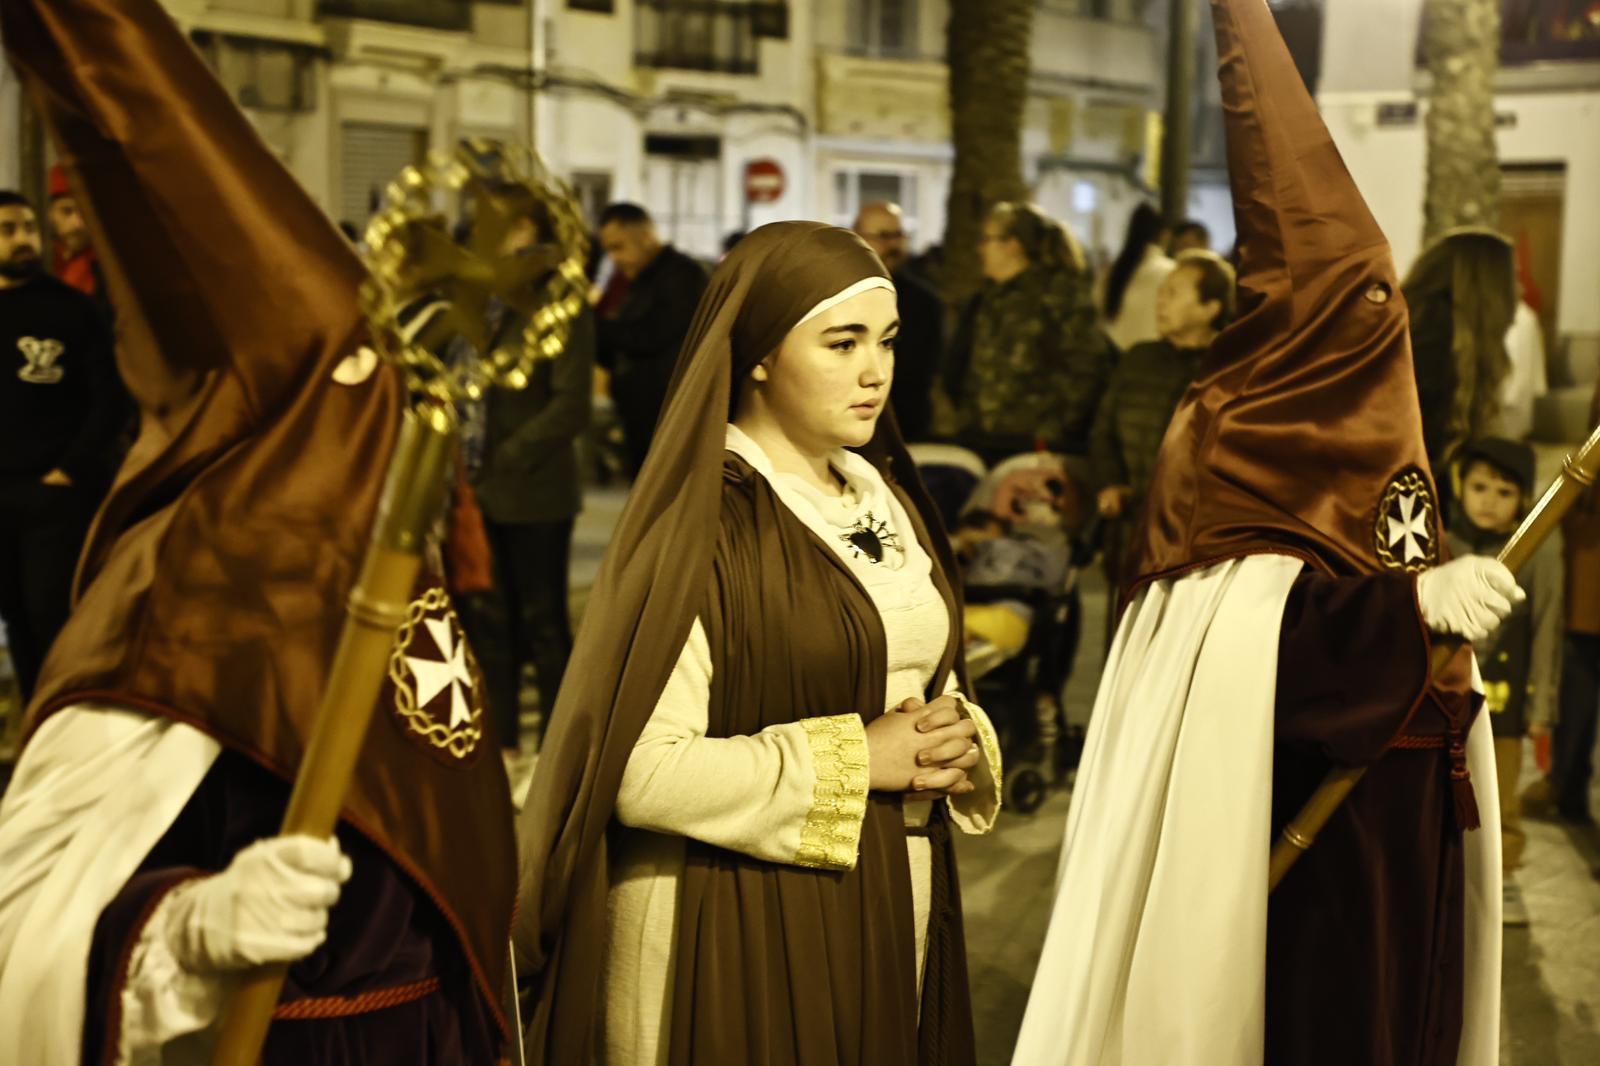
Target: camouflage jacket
1145	389
1029	361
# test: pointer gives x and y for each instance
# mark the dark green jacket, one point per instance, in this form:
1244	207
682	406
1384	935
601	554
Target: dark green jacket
530	461
1029	361
1145	389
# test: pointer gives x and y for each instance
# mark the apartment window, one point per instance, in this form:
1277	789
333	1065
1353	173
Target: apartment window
259	74
855	186
607	7
1116	10
885	28
715	35
592	189
429	13
683	186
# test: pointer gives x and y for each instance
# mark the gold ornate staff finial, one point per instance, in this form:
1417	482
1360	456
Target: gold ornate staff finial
412	256
412	260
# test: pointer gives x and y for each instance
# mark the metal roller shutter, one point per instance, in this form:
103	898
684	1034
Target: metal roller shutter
371	156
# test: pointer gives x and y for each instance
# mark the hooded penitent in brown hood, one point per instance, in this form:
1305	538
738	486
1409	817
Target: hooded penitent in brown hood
1305	414
213	586
1278	624
771	963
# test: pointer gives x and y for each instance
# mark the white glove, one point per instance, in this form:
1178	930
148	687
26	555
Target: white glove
1469	596
270	905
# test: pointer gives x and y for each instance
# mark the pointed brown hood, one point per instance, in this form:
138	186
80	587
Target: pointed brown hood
214	583
1302	433
229	282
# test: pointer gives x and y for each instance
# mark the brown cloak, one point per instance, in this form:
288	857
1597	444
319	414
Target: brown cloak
213	584
1302	436
775	965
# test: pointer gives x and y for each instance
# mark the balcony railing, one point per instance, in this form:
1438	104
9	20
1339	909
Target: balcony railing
712	35
430	14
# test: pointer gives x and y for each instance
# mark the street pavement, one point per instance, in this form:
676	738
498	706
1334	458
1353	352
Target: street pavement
1551	999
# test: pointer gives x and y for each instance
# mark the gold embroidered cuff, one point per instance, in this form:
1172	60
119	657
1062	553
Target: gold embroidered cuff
988	741
832	833
975	812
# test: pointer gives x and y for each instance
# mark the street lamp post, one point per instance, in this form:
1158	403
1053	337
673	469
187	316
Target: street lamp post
1177	128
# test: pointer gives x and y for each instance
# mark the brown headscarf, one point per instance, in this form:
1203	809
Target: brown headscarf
655	579
213	584
1302	433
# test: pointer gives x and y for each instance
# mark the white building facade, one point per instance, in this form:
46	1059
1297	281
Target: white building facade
1373	96
668	102
347	92
848	97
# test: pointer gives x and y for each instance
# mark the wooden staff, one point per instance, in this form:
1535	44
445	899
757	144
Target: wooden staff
1578	475
413	494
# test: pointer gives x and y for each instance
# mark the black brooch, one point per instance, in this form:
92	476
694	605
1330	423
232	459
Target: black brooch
869	537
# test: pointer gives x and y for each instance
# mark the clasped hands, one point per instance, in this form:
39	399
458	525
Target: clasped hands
923	749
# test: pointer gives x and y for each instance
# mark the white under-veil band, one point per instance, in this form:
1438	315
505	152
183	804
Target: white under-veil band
864	285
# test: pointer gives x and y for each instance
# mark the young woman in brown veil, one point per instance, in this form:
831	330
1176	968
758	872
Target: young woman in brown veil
736	848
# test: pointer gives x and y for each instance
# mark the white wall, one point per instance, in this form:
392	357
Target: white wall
1390	167
1211	202
1369	56
1369	45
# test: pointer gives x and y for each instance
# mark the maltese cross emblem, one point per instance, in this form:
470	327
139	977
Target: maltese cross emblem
435	677
1407	533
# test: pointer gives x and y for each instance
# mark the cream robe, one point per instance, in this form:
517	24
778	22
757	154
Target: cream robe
1156	949
95	789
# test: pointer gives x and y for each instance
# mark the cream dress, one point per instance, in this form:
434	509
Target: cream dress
757	794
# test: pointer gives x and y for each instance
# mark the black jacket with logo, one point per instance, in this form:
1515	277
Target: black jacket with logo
62	404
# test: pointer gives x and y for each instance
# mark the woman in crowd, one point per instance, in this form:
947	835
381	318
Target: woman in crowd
1128	295
1462	296
738	836
1195	303
1028	362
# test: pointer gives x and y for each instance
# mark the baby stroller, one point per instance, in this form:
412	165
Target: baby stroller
951	475
1020	561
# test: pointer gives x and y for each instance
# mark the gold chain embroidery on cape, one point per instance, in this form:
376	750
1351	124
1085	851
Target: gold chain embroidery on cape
1406	533
988	743
460	739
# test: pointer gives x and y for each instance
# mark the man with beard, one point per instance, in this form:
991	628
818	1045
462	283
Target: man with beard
639	338
61	407
140	868
920	350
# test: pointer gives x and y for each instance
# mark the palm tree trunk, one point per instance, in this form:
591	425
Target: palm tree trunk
988	43
1461	42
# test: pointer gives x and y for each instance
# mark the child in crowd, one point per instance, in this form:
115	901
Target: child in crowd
1521	662
1194	304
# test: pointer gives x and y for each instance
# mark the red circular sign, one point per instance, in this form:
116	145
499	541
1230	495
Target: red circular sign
763	181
